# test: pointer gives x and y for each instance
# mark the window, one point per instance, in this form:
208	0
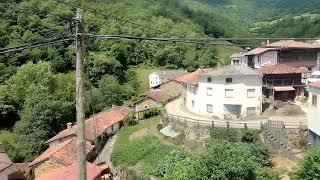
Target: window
228	93
192	103
209	108
209	91
251	110
251	93
314	100
236	62
228	80
209	79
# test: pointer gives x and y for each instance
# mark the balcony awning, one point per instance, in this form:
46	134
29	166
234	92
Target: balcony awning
284	88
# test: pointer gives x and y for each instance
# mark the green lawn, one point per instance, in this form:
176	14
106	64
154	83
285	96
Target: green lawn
138	147
143	77
7	136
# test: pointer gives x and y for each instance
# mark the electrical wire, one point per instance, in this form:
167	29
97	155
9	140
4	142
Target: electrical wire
36	44
174	40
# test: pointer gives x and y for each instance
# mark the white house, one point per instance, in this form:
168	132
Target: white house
233	91
159	77
238	58
314	113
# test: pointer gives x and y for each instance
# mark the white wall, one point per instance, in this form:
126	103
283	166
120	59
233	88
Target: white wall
271	56
242	60
314	111
218	99
154	80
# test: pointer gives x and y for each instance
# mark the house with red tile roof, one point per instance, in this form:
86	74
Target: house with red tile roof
314	113
290	52
229	92
106	122
282	82
62	147
70	173
63	154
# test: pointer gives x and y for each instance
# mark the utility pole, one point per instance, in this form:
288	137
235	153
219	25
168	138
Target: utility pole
81	144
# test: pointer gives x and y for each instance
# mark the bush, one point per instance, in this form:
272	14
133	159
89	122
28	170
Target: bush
152	112
130	120
309	168
159	126
249	136
229	134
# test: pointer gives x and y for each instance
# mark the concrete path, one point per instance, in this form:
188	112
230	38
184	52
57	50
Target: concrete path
105	154
177	108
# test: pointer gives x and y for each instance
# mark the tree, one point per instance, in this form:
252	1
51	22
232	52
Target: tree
309	168
42	116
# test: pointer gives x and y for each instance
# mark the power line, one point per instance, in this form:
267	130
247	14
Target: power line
36	44
173	40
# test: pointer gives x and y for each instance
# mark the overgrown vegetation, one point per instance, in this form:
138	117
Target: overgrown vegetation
222	159
309	167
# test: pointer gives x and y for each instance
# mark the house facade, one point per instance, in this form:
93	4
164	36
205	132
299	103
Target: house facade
159	77
282	82
227	92
238	58
289	52
314	113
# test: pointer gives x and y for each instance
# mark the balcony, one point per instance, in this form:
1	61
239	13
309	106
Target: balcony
281	82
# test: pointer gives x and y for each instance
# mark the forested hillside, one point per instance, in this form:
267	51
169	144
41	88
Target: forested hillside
38	85
276	18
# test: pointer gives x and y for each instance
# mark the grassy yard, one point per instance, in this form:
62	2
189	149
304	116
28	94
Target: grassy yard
141	147
7	136
143	77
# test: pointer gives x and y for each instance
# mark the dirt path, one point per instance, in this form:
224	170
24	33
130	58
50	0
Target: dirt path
284	163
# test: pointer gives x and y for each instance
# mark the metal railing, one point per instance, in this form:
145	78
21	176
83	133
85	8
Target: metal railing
282	82
261	123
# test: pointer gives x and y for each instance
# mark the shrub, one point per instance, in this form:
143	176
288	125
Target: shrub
152	112
249	136
309	168
130	120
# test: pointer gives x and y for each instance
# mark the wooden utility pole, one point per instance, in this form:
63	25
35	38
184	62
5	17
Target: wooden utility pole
81	144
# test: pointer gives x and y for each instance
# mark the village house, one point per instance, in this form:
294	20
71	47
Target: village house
238	58
155	98
282	82
225	92
159	77
102	124
62	147
290	52
314	113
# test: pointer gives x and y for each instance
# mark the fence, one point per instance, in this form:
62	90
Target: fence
262	123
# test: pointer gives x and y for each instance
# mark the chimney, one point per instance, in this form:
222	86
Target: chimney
69	125
268	42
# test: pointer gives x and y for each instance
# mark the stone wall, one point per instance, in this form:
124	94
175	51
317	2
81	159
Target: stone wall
285	142
190	131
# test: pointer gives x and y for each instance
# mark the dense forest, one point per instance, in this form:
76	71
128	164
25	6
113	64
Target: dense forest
37	85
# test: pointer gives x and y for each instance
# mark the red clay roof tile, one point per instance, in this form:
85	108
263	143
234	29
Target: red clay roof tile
65	152
70	173
281	69
292	44
96	124
315	84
